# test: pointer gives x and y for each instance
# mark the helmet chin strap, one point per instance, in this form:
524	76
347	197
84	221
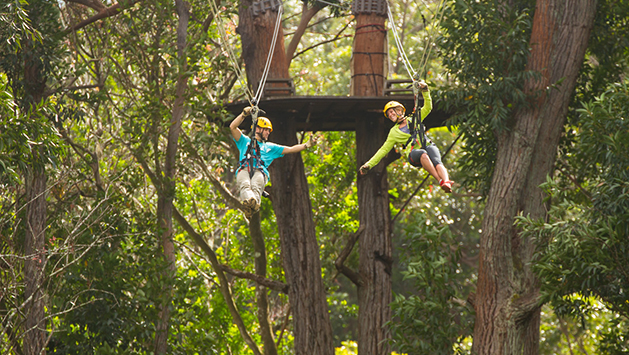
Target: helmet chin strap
260	137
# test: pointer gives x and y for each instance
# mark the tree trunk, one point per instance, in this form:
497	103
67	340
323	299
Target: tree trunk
35	179
167	191
266	331
368	56
291	202
374	290
300	250
256	34
35	331
507	307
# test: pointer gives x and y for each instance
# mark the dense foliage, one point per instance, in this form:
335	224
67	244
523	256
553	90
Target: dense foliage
100	130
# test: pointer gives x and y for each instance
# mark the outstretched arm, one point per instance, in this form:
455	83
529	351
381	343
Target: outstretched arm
386	147
299	147
425	110
233	127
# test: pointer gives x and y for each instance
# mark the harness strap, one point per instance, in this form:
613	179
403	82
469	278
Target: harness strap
253	159
416	122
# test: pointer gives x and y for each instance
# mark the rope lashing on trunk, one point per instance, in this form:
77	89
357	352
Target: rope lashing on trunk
269	57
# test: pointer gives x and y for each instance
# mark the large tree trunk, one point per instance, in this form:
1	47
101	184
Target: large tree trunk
256	33
35	179
167	192
300	251
507	309
259	248
35	337
374	289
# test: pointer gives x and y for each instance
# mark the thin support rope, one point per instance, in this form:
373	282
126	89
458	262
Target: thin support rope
269	57
426	54
230	53
398	43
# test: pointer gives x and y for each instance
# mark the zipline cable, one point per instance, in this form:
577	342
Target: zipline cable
426	53
230	53
269	57
252	99
398	43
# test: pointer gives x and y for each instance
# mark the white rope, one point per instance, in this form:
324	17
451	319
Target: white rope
230	53
426	54
269	57
398	43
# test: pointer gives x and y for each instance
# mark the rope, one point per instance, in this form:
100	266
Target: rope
398	43
423	181
269	57
426	54
230	54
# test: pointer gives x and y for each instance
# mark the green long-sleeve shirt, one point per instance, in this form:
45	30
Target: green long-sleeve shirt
396	136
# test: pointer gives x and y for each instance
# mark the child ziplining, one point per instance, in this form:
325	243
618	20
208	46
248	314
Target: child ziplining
255	156
409	129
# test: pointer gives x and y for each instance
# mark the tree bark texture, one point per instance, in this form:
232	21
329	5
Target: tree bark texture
368	56
35	331
291	202
256	34
266	331
374	290
507	308
35	179
167	191
300	249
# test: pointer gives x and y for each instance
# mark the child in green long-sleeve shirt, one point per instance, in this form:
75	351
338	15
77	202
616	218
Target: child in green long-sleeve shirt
428	157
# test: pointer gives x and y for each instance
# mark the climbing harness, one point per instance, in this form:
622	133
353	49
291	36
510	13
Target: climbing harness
252	159
416	126
423	181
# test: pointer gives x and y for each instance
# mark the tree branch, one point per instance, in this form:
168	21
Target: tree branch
574	180
219	185
349	273
271	284
104	13
93	164
94	4
338	36
223	282
306	15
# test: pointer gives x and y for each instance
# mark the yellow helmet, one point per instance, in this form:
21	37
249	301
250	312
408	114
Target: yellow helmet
265	123
392	104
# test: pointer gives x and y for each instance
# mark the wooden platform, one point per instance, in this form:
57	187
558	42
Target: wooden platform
330	113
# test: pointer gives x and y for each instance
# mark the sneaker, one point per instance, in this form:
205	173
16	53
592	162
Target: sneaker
446	185
249	205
